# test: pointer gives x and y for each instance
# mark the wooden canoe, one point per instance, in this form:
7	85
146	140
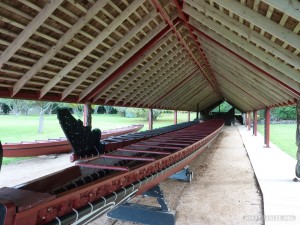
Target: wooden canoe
56	146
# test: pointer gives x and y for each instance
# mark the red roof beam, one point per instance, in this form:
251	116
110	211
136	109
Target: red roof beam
249	63
169	22
194	37
131	60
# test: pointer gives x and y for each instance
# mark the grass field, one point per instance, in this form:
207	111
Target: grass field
284	136
24	128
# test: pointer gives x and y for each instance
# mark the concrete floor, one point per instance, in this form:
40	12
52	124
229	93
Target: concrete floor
275	171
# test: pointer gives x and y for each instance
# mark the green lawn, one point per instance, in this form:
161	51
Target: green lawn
24	128
284	136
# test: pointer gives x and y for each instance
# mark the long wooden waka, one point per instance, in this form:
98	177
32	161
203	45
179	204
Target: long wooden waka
82	193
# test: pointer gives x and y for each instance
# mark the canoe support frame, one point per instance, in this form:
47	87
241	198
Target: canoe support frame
145	214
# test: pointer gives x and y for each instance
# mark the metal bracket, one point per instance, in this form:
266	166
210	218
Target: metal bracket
185	174
145	214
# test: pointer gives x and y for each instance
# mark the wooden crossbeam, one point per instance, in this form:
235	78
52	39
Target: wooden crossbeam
241	30
161	84
232	62
139	26
59	45
240	42
260	21
29	30
120	62
161	71
178	78
142	79
142	70
90	47
291	8
283	79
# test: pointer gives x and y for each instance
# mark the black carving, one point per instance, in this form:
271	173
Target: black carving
84	141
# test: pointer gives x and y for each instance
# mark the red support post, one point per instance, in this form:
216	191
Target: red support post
189	116
267	127
246	119
249	121
150	120
255	122
175	116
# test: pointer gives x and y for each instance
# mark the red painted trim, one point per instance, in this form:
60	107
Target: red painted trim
248	62
128	63
169	22
200	50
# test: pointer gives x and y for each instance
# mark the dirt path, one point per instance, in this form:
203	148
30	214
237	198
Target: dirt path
222	192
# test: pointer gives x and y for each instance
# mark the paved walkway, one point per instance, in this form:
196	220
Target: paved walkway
275	171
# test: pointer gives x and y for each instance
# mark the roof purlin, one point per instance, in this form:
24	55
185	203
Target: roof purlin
164	15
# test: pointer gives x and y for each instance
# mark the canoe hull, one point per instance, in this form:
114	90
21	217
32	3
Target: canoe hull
56	146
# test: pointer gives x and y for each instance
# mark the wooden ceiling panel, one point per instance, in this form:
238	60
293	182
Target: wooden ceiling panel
151	53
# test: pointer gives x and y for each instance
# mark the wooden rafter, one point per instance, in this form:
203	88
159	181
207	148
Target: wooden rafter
29	30
90	47
59	45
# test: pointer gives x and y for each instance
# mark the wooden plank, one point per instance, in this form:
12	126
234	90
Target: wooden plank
168	84
244	31
240	42
142	70
161	70
90	47
29	30
59	45
291	8
260	21
244	54
142	79
160	84
238	66
119	63
139	26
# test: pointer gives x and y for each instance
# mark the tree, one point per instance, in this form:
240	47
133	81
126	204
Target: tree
16	105
144	113
284	113
223	107
43	106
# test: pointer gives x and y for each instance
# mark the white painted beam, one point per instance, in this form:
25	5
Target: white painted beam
260	21
247	70
119	63
140	25
244	31
59	45
291	7
90	47
240	42
29	30
141	70
242	52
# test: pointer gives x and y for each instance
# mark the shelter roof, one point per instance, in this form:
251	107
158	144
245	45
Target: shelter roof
152	53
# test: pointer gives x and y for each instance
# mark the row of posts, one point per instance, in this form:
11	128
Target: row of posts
150	121
248	123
